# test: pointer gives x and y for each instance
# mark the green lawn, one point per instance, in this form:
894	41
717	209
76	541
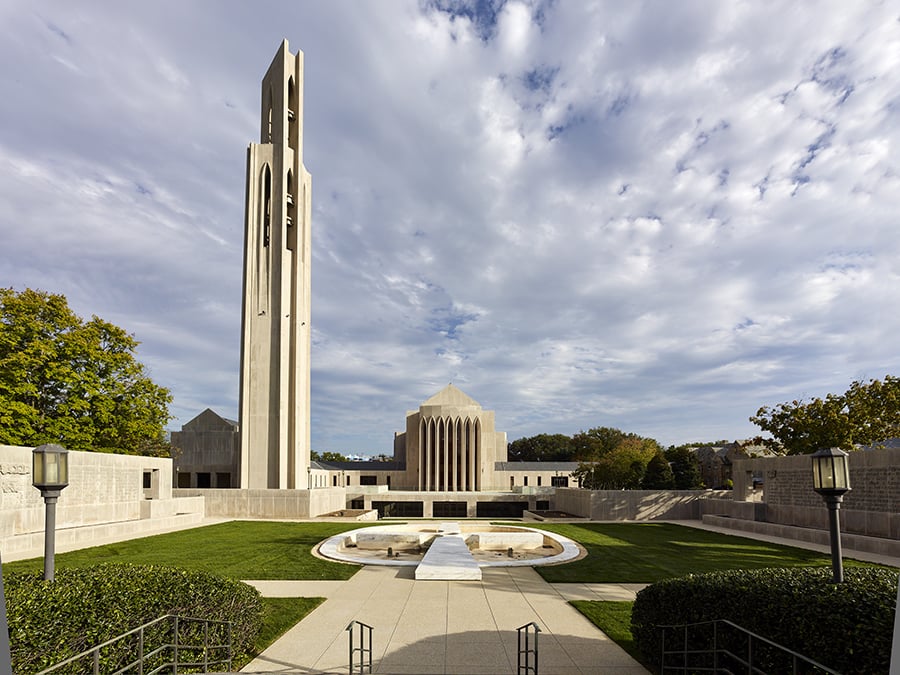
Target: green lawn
617	552
239	550
648	552
613	617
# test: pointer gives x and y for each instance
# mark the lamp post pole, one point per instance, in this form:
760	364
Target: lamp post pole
50	474
831	479
50	498
833	502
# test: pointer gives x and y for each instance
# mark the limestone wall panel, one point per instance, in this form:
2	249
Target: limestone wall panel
103	488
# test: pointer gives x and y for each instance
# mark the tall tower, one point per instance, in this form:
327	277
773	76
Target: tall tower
275	338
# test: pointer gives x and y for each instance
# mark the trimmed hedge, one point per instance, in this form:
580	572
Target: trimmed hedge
847	627
84	607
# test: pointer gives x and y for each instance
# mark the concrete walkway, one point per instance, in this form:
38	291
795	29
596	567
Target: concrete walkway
466	627
460	626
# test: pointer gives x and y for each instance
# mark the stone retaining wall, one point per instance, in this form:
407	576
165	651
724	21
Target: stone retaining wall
634	504
105	498
871	508
263	503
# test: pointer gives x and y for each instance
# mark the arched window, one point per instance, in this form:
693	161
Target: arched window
293	123
267	205
291	217
263	218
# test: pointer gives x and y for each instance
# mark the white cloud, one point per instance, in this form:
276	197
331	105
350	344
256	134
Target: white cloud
651	218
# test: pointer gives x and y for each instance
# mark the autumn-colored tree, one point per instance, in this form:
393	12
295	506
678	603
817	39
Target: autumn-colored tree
618	462
74	382
591	445
867	413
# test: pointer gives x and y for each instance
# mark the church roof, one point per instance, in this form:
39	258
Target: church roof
452	396
210	420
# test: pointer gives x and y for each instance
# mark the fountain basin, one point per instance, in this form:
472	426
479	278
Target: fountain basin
488	545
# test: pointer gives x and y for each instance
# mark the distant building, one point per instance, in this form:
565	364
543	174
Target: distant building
206	452
450	445
717	461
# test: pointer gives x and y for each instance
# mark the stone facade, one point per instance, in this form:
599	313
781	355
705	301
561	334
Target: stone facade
206	452
614	505
107	495
450	445
275	338
781	488
263	503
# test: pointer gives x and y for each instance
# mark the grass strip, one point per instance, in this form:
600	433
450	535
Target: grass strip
613	617
241	549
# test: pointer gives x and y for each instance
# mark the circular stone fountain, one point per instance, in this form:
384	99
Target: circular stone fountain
489	545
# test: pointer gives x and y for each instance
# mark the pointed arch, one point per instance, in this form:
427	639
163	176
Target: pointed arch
291	212
293	122
267	116
263	218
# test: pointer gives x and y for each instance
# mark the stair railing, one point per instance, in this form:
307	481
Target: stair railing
179	647
528	649
722	646
364	650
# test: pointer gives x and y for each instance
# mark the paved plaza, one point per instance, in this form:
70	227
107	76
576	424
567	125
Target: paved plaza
465	627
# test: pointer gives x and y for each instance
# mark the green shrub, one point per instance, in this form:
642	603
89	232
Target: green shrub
847	627
83	607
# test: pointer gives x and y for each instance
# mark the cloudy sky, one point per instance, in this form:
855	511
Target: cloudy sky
654	216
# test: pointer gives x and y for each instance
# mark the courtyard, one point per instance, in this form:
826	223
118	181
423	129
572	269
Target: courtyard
448	626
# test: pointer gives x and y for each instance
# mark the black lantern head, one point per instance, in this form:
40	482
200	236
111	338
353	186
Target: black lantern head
50	464
830	475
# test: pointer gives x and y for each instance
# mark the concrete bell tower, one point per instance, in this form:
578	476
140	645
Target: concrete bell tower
275	338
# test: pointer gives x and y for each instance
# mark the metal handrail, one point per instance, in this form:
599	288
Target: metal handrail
138	664
748	661
525	666
365	630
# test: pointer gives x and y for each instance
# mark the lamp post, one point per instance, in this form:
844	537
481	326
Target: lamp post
50	474
832	480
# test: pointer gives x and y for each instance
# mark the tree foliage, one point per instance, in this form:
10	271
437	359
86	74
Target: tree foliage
685	467
74	382
327	456
541	448
658	475
594	443
867	413
612	459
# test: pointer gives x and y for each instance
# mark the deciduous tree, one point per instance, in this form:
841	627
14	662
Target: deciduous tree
867	413
658	475
541	448
685	467
621	467
74	382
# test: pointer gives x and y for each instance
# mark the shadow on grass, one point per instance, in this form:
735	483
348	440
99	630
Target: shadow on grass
648	552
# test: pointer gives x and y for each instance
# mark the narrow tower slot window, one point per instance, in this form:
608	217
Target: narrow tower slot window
291	217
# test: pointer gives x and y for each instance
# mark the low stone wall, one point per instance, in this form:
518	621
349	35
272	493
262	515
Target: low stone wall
634	504
871	508
850	542
105	499
262	503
